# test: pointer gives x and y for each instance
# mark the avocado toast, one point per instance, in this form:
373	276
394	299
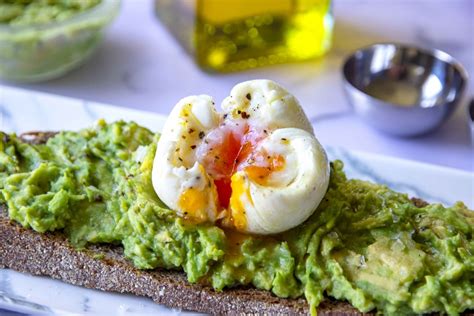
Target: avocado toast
324	254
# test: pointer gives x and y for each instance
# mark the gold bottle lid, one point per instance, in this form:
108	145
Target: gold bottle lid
222	11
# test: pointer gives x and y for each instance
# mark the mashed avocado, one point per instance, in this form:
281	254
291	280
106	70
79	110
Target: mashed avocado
43	39
34	12
365	243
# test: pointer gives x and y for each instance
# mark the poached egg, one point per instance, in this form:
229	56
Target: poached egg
256	167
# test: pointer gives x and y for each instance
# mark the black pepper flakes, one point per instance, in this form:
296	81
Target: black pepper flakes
191	130
193	146
225	116
180	159
245	115
239	111
249	96
201	135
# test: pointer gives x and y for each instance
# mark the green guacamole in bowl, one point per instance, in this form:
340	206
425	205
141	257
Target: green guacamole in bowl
43	39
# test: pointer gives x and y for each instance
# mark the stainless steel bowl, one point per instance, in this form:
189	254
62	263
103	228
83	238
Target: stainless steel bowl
403	90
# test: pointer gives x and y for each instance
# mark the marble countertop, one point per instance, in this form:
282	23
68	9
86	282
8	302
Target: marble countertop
139	65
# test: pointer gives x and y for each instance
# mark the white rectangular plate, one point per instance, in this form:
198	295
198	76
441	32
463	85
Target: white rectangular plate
22	110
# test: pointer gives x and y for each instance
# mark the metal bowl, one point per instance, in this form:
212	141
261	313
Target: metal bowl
403	90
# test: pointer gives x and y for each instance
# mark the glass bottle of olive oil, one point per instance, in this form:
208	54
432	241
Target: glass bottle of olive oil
231	35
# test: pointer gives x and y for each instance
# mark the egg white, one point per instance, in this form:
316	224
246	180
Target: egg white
268	105
286	199
175	168
293	193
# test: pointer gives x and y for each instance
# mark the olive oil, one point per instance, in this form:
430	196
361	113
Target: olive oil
231	35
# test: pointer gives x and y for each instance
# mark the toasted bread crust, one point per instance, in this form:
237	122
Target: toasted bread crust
104	267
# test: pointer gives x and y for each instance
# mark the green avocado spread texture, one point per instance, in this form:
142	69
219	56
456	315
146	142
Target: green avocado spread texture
365	243
34	12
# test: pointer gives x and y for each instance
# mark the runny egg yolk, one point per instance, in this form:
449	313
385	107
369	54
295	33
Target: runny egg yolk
238	216
259	173
192	202
230	148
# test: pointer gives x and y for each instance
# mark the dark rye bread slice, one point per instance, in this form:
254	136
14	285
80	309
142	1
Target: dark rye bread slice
105	268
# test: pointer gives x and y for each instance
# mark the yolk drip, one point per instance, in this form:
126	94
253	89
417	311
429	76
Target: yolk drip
224	191
223	150
230	155
192	203
223	185
225	157
240	191
226	154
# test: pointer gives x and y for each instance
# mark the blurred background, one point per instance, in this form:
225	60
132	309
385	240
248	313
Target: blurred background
142	65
